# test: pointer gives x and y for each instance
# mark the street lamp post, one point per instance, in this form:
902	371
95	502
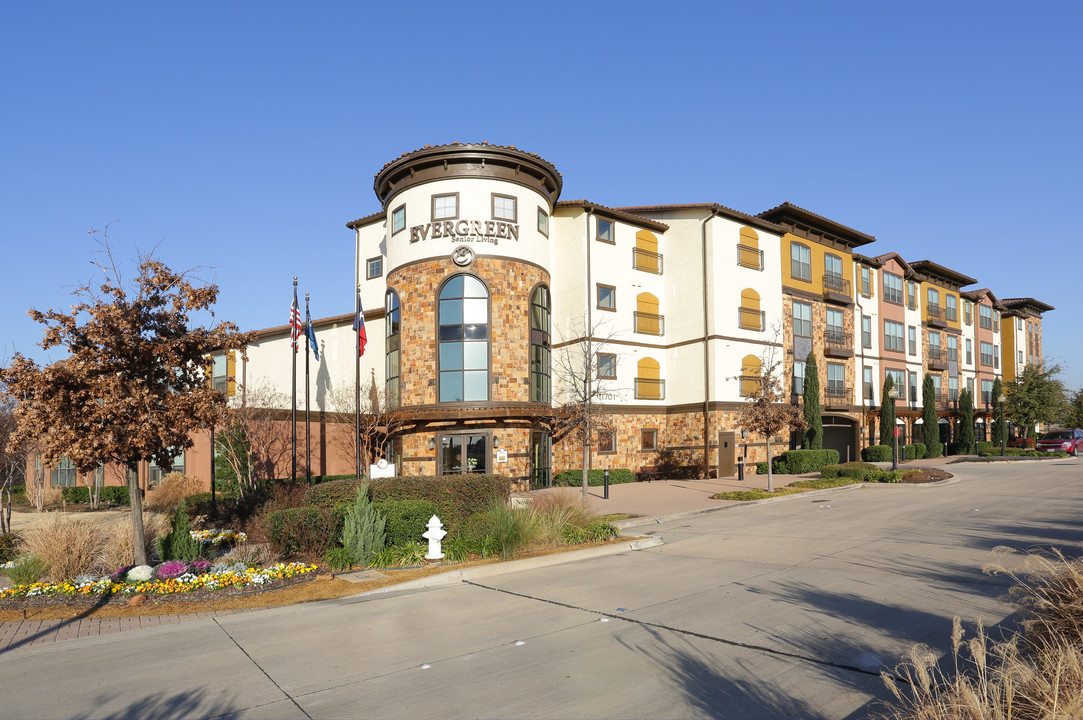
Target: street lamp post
1000	425
892	394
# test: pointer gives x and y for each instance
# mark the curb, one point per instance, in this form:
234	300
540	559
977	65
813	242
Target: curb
454	577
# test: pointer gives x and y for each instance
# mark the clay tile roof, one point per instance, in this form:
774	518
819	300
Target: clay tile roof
928	267
713	207
788	210
617	213
1037	305
362	221
483	143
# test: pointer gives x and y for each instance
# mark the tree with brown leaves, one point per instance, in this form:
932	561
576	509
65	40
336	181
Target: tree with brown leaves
767	412
133	386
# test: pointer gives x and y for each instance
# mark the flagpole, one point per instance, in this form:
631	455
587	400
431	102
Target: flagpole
357	379
308	430
293	418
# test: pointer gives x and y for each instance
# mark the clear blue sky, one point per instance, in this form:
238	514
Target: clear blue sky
242	136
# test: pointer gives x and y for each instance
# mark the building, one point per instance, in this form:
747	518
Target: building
487	299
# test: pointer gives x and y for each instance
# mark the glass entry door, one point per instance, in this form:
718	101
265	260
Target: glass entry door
541	452
460	454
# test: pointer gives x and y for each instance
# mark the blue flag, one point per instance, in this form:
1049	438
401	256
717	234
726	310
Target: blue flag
310	333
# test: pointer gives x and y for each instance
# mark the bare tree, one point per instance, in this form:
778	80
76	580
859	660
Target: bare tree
254	439
379	422
767	411
133	386
579	390
14	454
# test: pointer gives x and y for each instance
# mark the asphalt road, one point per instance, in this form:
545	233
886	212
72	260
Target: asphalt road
785	609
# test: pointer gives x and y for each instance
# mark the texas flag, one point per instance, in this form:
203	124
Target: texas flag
359	327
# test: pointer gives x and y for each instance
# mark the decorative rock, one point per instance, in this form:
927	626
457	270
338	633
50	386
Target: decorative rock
434	535
137	600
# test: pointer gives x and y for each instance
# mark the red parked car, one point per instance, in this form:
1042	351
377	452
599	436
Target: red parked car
1069	441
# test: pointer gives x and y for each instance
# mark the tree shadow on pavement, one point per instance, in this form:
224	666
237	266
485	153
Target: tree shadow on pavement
186	704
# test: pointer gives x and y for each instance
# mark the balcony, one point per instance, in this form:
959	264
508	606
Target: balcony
937	359
837	289
650	389
934	316
647	261
749	257
836	395
649	323
750	384
751	319
838	344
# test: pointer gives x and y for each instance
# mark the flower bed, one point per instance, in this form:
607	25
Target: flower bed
142	580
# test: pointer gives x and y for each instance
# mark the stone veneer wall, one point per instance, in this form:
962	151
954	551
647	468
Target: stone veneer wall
510	283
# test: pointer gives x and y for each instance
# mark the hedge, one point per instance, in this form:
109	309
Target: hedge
574	478
935	450
958	448
331	493
110	494
309	530
856	470
985	447
916	451
876	453
798	462
457	496
406	519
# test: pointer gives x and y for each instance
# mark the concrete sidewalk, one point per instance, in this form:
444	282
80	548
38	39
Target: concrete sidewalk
645	501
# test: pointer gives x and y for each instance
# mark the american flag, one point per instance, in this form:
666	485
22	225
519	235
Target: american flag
295	321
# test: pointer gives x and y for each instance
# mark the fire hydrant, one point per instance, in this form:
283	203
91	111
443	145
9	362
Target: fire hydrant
434	535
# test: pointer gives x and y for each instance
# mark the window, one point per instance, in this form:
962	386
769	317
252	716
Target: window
800	262
1020	356
604	231
751	377
966	312
953	348
866	331
987	392
540	352
985	350
950	305
464	340
893	336
932	301
543	222
607	442
393	354
224	373
836	327
911	295
463	454
445	207
607	366
62	474
893	288
607	298
504	208
866	281
1019	323
985	317
648	439
953	389
970	388
934	345
866	386
802	319
996	322
398	219
969	352
898	378
912	339
913	387
798	377
833	279
936	386
155	473
374	267
996	356
648	382
836	380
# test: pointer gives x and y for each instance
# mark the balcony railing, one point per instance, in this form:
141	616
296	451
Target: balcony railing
835	392
838	343
750	319
836	284
649	323
647	261
749	257
650	389
932	311
750	384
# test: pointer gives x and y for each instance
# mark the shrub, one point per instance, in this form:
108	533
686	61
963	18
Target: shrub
406	519
410	553
984	447
171	569
8	546
27	570
331	493
876	453
557	514
885	476
677	464
251	554
308	530
855	470
595	478
339	558
512	528
118	548
179	543
797	462
457	496
934	450
68	546
362	527
920	451
173	488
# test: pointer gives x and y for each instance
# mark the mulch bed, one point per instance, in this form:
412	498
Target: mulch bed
925	475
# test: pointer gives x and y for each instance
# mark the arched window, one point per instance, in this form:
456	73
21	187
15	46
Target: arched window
394	355
464	340
749	314
649	385
540	381
749	254
646	256
750	375
647	319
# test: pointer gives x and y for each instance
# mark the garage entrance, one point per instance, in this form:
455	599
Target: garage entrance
840	433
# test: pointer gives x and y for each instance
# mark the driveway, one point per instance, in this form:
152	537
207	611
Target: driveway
787	609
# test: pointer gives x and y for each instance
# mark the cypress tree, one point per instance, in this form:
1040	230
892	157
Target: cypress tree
966	432
887	414
814	431
930	427
179	543
998	415
363	528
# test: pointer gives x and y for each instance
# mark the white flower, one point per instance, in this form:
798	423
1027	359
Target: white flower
140	573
